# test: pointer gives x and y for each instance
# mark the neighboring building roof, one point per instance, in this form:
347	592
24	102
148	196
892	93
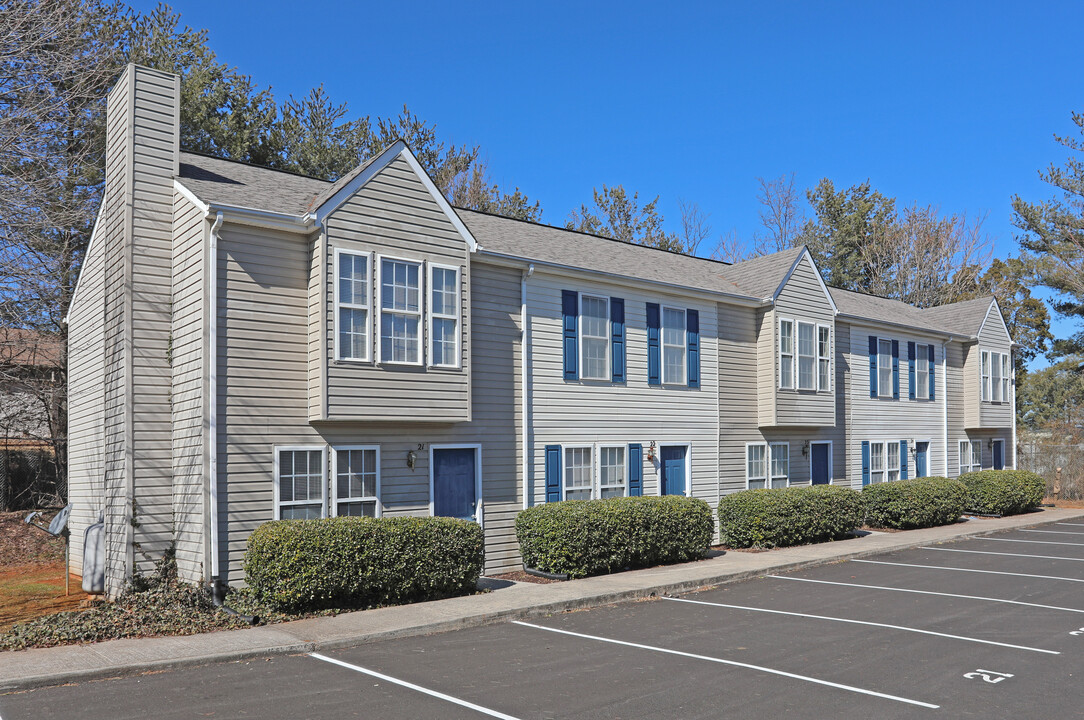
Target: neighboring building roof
961	318
545	243
227	182
29	348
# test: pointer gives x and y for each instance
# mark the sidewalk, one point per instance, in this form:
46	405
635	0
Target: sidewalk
54	666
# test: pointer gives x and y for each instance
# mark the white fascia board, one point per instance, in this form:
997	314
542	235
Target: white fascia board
376	165
816	271
90	247
716	295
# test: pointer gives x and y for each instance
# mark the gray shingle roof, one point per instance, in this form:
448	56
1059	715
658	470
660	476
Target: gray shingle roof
962	318
966	317
762	275
232	183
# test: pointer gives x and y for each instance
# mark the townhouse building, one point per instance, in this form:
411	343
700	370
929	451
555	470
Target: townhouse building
250	345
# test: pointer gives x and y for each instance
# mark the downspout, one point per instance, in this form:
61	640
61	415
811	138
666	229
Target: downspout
944	405
525	382
212	392
1013	366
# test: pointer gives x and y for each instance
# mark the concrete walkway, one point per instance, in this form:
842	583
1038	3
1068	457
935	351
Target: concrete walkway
53	666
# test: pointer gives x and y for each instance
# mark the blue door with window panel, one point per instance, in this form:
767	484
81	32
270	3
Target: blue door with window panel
819	463
999	455
672	469
922	454
454	488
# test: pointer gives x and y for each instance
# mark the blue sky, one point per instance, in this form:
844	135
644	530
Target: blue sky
951	104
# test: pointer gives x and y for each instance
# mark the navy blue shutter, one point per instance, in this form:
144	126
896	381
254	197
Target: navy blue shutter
692	335
570	308
653	361
636	469
873	366
553	473
903	459
933	372
617	339
896	369
865	463
911	370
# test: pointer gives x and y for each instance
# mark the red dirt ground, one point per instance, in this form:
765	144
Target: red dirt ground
32	573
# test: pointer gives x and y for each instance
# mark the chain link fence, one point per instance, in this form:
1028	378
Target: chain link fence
28	480
1062	465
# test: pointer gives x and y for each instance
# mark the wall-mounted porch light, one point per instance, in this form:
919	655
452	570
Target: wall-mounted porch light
411	458
651	451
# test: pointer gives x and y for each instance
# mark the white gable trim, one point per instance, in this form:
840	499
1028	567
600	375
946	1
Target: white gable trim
820	280
1004	325
190	196
86	256
399	148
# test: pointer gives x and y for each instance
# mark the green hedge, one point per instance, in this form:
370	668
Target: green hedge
788	516
918	503
352	562
1003	492
592	537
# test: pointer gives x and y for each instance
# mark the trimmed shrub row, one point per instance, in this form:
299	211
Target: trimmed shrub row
354	562
788	516
918	503
1003	492
593	537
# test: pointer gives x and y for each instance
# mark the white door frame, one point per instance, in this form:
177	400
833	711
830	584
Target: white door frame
1003	446
831	476
688	466
477	448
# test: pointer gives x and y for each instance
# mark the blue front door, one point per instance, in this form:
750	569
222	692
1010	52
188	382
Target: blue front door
454	488
819	461
672	462
922	451
999	455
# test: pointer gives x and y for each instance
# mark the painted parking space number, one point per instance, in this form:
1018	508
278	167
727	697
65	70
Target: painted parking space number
1077	632
987	676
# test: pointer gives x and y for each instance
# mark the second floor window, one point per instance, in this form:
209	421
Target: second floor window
352	299
985	370
673	346
806	357
444	316
922	371
1005	377
594	337
824	357
884	368
400	312
786	354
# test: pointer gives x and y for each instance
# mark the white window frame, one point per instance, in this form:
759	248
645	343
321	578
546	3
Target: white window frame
889	468
378	293
624	485
367	307
995	378
1006	384
607	337
591	468
684	347
884	392
767	467
812	357
830	459
335	499
277	501
965	447
455	317
785	382
824	387
922	355
479	504
976	445
984	375
771	459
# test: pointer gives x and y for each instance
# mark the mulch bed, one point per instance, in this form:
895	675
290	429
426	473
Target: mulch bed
520	576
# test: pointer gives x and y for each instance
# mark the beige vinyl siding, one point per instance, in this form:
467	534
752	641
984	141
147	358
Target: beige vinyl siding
188	369
767	366
583	412
394	215
738	425
995	338
958	398
318	359
86	378
885	419
803	300
263	316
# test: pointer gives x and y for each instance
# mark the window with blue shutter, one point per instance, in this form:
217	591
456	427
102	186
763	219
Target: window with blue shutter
553	473
873	366
896	369
933	373
617	339
865	463
903	459
570	308
692	335
636	469
653	360
911	370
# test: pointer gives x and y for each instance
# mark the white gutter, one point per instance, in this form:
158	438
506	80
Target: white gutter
1013	366
525	383
944	404
212	390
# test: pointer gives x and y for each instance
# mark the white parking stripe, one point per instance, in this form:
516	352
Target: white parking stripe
733	663
971	570
1072	524
1033	542
412	686
1054	532
991	552
930	592
861	622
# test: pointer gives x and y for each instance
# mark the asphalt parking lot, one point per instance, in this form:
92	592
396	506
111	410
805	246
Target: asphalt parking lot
989	627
